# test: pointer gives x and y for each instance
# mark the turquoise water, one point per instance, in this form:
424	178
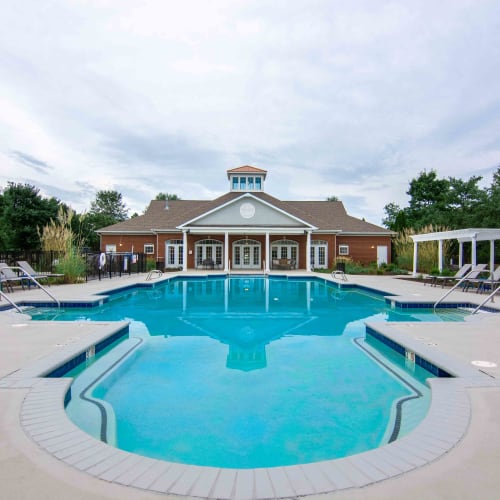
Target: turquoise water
248	372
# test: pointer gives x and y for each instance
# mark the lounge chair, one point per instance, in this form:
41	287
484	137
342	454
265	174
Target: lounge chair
483	284
444	279
8	277
473	276
31	272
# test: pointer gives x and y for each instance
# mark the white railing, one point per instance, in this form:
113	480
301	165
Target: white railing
491	296
473	272
11	302
25	275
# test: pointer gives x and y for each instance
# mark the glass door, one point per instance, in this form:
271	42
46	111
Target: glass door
246	254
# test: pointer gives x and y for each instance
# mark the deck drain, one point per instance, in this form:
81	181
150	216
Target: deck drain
484	364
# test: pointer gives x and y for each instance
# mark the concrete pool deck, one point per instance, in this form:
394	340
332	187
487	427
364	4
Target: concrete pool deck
461	461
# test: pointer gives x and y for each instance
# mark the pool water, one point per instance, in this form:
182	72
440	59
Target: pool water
248	372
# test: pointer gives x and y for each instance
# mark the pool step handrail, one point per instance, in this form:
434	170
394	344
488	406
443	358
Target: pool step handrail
154	272
472	272
491	297
25	275
10	301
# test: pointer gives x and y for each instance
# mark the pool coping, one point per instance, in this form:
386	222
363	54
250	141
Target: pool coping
44	419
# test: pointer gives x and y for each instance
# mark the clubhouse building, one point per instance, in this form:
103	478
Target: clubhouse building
247	229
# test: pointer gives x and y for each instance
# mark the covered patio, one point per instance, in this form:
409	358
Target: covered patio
471	236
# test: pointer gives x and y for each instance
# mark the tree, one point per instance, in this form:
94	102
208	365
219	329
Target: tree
428	197
166	196
487	212
109	206
396	219
23	212
107	209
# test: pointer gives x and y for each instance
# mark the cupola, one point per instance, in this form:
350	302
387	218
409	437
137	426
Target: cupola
246	178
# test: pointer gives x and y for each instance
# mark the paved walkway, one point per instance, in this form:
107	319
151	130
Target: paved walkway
468	471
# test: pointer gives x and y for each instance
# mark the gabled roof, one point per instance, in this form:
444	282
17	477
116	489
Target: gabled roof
248	196
327	216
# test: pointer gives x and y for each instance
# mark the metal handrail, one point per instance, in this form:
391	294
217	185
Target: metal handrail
490	297
11	302
25	275
154	272
465	278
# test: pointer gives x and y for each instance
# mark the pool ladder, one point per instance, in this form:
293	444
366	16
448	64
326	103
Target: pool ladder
26	276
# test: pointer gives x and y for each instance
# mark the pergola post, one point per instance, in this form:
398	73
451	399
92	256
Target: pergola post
492	257
474	250
415	258
440	256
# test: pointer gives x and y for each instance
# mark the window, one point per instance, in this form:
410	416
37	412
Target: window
343	249
244	183
149	248
110	248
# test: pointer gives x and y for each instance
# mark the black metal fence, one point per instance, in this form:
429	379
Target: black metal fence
107	265
42	262
97	265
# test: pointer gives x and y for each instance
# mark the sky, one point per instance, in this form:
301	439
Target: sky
352	99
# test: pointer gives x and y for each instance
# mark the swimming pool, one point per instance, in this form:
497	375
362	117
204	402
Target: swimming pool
249	372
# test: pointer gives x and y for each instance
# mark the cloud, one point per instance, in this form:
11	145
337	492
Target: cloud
351	99
39	166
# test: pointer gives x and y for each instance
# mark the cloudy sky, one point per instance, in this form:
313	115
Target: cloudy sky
345	98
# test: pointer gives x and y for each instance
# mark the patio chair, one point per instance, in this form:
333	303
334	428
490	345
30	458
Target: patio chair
8	277
444	279
483	284
473	276
31	272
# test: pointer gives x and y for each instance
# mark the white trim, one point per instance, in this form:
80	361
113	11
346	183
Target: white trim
479	234
239	198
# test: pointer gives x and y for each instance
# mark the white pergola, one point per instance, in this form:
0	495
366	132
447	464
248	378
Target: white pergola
463	236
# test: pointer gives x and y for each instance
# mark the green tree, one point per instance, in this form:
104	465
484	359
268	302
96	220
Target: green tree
332	198
166	196
23	213
109	207
487	213
428	200
396	219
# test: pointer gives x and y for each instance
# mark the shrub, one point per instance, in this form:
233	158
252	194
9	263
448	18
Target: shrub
427	250
72	266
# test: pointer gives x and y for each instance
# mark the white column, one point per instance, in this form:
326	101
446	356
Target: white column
308	251
268	253
226	252
492	258
460	254
440	255
185	250
474	253
415	257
